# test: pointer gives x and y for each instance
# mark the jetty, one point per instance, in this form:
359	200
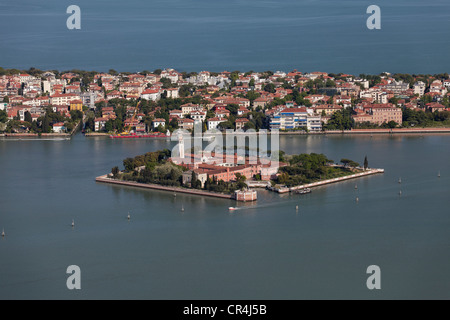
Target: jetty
328	181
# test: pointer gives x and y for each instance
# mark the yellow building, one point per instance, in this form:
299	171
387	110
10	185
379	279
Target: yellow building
76	105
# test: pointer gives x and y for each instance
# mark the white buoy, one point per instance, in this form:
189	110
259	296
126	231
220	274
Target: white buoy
128	217
3	233
73	223
182	208
400	180
439	174
400	193
357	199
296	208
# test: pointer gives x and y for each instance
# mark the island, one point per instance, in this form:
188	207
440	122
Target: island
230	179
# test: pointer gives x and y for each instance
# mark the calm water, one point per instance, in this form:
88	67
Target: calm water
195	35
263	251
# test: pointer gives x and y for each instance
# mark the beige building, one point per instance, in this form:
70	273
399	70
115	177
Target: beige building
386	113
63	99
379	114
200	175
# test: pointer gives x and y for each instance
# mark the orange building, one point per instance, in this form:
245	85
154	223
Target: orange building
76	105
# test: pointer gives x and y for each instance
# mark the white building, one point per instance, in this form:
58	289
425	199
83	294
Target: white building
58	127
214	122
296	118
100	123
158	122
419	88
198	116
151	94
172	93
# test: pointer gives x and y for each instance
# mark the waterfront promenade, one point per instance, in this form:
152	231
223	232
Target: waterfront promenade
389	131
372	131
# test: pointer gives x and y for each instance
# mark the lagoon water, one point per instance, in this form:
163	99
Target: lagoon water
265	250
195	35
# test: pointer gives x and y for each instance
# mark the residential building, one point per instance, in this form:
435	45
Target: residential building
151	94
99	123
59	127
198	116
240	123
214	122
185	123
76	105
63	98
296	118
158	122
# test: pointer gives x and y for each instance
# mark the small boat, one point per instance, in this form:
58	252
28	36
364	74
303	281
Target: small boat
128	217
399	180
73	223
357	199
3	233
400	193
439	174
232	208
182	209
356	186
296	207
303	191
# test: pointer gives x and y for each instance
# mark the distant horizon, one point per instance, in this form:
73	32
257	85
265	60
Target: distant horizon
151	70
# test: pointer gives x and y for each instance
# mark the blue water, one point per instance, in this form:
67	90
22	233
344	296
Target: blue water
195	35
265	250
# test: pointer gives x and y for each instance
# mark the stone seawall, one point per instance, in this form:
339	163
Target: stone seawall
325	182
105	179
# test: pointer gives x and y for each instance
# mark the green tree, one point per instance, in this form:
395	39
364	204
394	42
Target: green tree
270	87
161	129
341	120
3	116
330	83
46	124
129	164
76	115
392	124
90	124
109	125
6	99
27	117
166	83
283	178
115	172
252	95
349	163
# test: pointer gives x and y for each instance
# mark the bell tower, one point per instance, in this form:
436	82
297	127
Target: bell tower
180	146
